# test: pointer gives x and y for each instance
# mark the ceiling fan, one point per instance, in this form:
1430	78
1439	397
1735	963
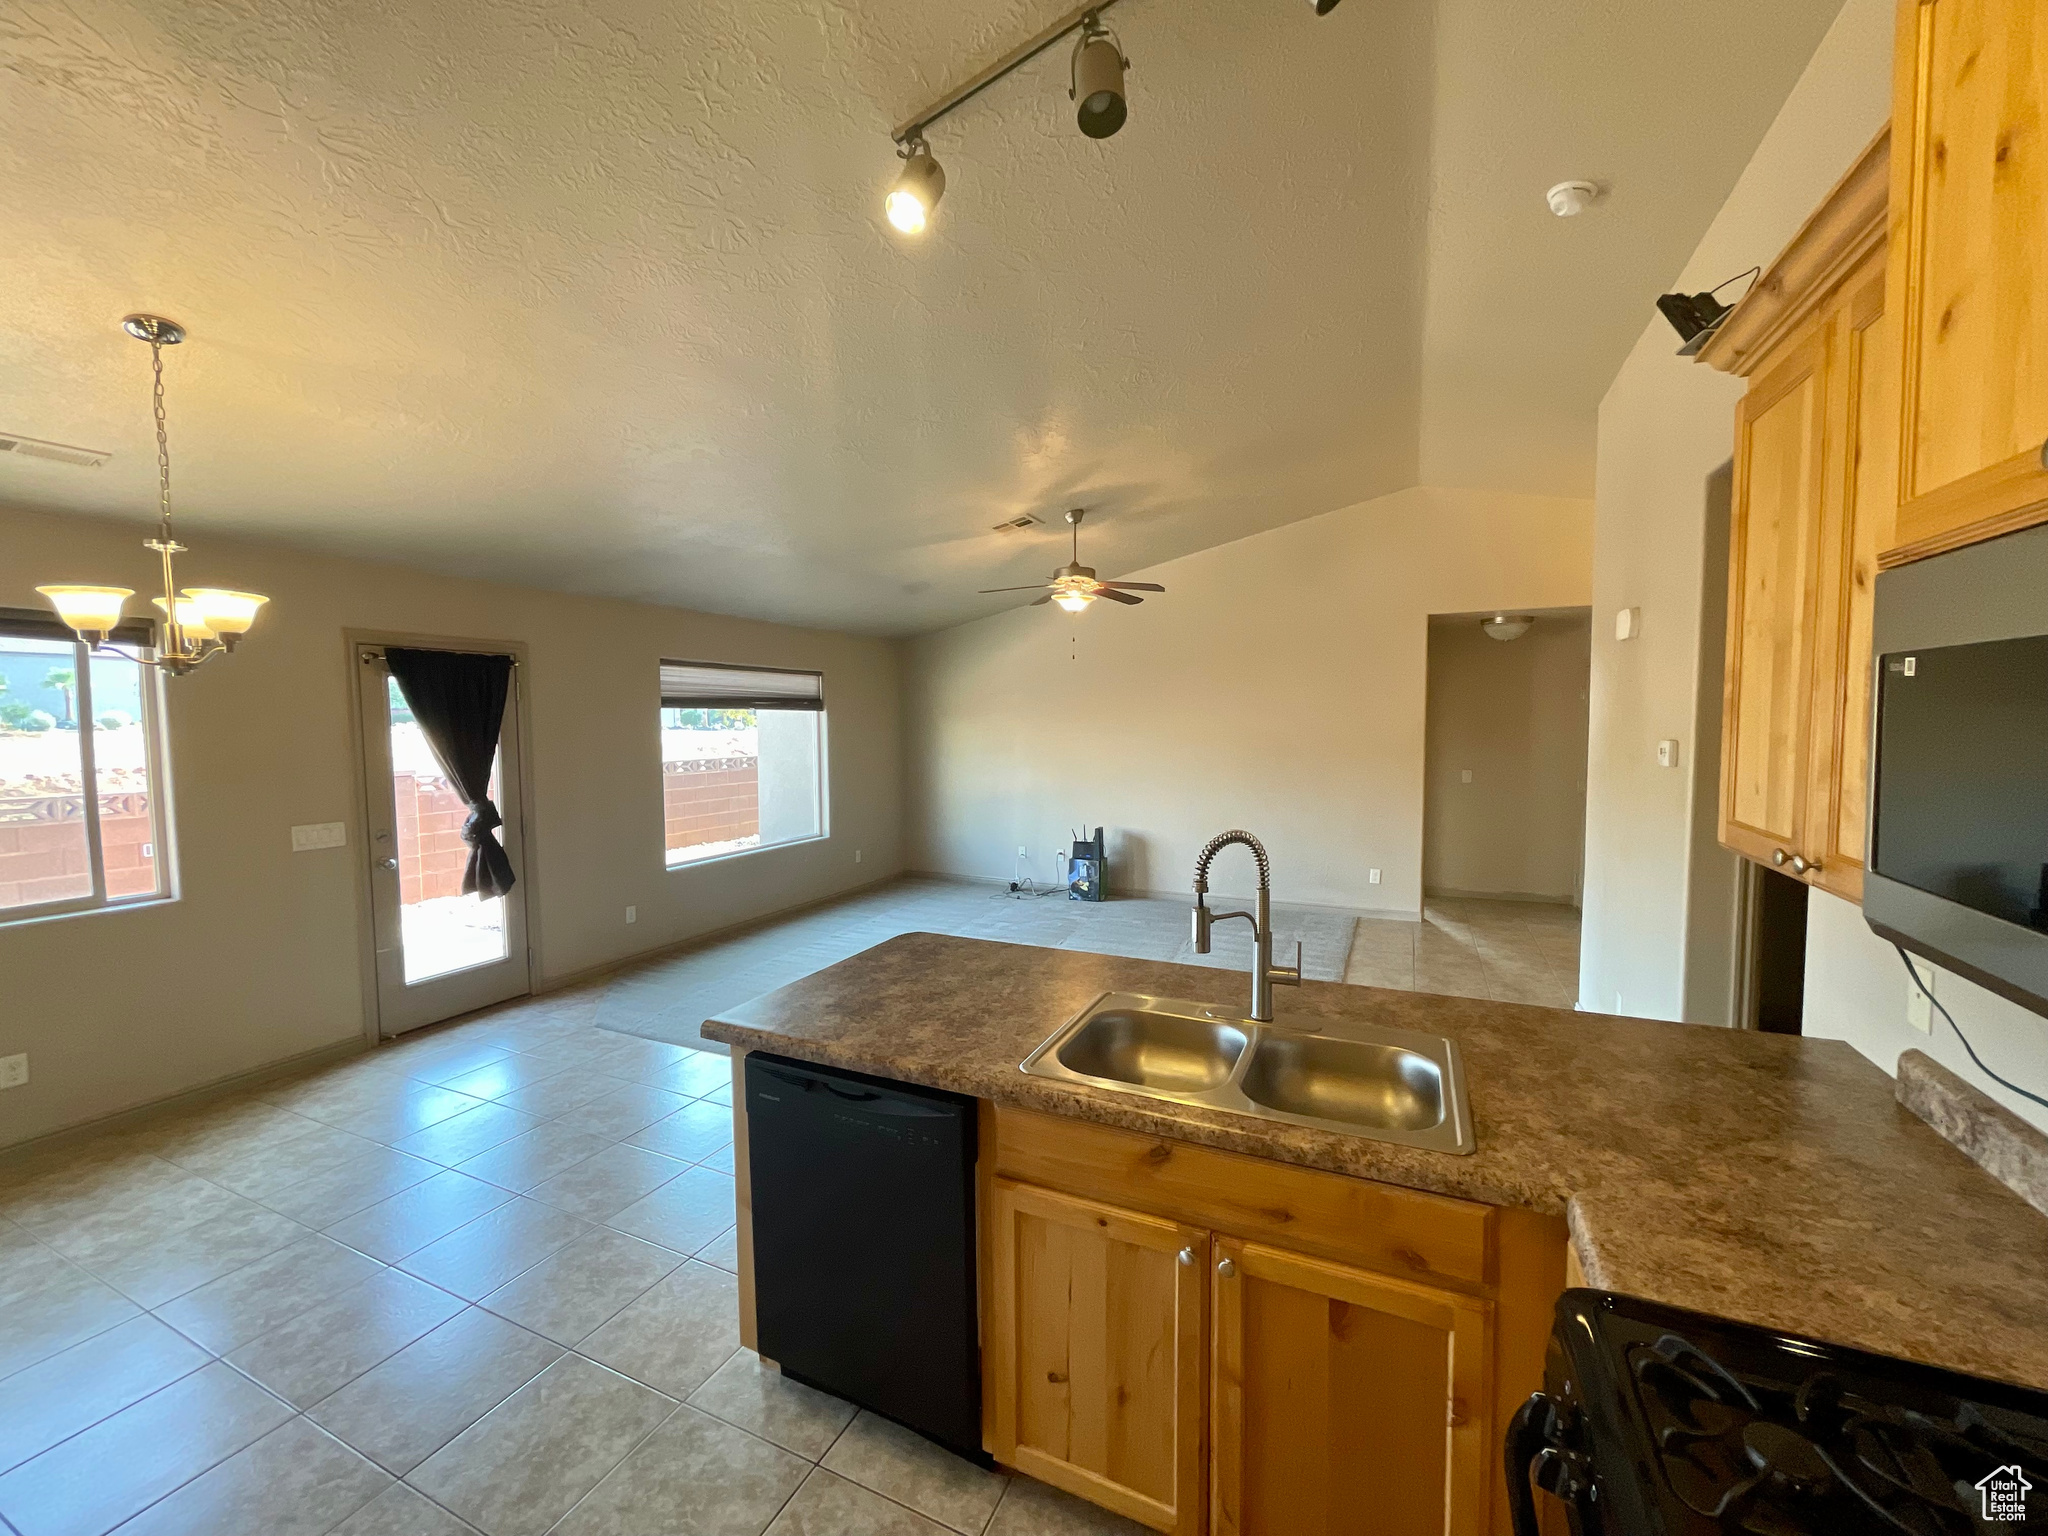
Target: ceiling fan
1074	586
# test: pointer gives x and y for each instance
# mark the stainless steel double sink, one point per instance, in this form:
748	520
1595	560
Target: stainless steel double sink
1386	1084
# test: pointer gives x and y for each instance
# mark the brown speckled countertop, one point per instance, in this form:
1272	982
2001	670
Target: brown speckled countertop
1762	1177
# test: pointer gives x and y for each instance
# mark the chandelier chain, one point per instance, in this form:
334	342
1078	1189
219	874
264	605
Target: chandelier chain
163	441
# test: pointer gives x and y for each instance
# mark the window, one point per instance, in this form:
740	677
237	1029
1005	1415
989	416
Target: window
81	815
742	759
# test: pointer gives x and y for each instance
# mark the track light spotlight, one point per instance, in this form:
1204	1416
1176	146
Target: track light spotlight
918	189
1098	80
1324	7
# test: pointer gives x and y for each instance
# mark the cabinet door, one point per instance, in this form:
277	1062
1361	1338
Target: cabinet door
1861	481
1346	1403
1095	1353
1970	268
1779	468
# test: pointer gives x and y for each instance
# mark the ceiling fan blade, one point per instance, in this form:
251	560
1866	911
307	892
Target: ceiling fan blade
1037	600
1133	586
1118	597
1034	587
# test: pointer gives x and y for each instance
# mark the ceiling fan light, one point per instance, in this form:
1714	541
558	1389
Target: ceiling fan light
919	186
1075	602
226	612
93	612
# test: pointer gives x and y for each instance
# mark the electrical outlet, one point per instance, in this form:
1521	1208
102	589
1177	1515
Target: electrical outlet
1919	1011
856	855
13	1070
1022	853
1372	877
1465	777
632	914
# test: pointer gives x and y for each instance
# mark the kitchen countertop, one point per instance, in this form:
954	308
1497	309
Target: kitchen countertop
1763	1177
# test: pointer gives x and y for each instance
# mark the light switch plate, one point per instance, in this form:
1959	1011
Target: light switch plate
13	1070
319	834
632	914
1628	623
1372	877
1667	753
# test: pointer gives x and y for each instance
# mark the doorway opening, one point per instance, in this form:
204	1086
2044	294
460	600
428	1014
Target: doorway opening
436	951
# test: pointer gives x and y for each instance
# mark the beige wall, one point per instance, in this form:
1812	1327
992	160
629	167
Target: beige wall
1513	715
1277	685
258	959
1659	899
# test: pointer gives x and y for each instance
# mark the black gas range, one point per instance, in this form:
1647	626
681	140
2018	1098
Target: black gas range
1659	1422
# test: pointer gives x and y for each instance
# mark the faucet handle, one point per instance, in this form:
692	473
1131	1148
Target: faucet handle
1289	975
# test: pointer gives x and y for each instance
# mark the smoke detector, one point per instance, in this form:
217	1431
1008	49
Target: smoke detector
1569	199
63	453
1017	524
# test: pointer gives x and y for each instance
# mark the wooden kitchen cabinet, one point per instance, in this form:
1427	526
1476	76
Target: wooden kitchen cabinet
1201	1339
1815	459
1969	270
1095	1349
1345	1403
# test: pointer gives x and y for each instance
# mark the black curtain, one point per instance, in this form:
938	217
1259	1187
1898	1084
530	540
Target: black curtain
458	698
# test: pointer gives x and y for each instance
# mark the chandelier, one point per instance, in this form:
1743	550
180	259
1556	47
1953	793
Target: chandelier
198	623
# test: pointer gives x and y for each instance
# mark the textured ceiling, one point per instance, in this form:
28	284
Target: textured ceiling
595	294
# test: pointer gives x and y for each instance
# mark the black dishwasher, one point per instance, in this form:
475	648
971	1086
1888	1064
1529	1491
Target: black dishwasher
863	1217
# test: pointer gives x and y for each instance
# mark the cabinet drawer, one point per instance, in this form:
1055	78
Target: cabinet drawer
1381	1226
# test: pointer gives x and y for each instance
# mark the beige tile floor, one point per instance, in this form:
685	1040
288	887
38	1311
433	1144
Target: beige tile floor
482	1279
1511	951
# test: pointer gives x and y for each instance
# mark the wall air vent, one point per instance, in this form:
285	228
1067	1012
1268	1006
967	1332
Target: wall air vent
63	453
1015	524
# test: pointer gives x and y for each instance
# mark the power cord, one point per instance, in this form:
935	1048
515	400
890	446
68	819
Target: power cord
2004	1082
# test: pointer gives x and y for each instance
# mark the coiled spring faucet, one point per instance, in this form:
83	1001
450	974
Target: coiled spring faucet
1264	972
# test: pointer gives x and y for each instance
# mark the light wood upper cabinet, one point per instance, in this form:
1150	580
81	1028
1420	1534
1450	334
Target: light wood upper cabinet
1097	1346
1345	1403
1969	270
1773	548
1815	477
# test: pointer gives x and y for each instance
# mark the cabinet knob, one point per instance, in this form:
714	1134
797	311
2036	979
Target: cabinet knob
1801	866
1187	1256
1778	856
1225	1268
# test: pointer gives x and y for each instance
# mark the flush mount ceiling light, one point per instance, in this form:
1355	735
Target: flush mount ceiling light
1074	586
1508	626
199	623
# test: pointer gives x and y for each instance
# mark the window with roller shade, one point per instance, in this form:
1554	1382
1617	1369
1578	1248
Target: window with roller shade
742	759
81	811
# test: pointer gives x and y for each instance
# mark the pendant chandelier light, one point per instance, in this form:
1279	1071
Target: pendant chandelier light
198	623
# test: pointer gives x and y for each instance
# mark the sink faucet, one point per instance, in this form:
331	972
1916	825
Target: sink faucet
1264	972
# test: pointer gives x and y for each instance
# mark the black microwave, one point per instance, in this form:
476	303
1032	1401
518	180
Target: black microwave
1957	865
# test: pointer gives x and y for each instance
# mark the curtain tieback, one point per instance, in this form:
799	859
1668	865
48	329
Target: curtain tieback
483	821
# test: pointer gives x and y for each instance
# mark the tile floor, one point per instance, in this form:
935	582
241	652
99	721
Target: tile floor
1511	951
482	1279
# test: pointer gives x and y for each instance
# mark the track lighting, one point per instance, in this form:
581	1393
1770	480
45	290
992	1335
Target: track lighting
1323	7
918	189
1098	80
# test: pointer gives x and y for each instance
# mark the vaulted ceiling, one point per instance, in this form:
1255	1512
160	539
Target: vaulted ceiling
596	294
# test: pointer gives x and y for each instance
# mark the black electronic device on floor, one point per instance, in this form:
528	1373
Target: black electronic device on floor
1085	869
864	1242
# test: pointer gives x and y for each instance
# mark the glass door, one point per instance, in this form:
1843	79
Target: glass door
438	952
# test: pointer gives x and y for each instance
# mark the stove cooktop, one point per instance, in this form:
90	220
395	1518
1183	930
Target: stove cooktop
1658	1422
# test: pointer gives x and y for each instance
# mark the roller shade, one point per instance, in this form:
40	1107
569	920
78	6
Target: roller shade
702	685
35	624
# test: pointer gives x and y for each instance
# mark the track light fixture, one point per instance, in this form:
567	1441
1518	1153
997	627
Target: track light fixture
1323	7
918	188
1098	80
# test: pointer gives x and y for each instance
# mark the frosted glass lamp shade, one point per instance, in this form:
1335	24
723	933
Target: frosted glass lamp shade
92	611
191	618
225	612
1075	602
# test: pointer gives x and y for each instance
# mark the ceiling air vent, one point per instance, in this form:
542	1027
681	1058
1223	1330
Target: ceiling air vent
1014	524
63	453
